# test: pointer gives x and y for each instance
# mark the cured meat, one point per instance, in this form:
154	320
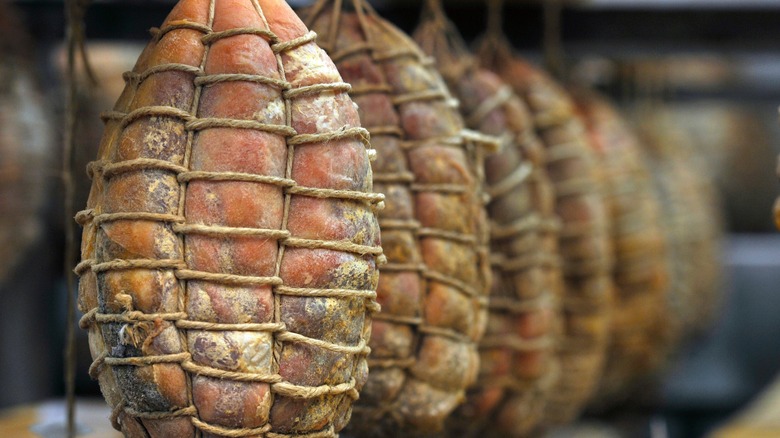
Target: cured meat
584	239
434	288
692	224
230	246
640	332
518	362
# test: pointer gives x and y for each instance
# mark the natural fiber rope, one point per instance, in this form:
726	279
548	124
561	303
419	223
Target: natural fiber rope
191	124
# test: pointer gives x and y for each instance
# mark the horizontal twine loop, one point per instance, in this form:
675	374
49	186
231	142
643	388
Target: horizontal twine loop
123	265
183	412
361	348
136	216
212	37
343	245
201	124
507	185
159	33
418	96
283	46
528	223
146	360
119	167
324	293
218	78
315	192
466	239
137	78
229	433
135	316
498	99
335	87
459	285
386	130
151	111
441	188
201	175
269	327
221	231
307	392
399	224
339	134
237	376
233	279
446	333
488	142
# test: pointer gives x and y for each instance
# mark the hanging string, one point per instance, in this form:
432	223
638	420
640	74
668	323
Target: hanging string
433	9
552	45
494	19
74	37
495	49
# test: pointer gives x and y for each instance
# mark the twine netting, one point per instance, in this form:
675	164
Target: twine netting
122	334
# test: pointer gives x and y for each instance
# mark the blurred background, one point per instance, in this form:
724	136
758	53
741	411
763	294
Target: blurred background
708	70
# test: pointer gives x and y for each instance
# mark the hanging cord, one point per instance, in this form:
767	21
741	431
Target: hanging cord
552	45
495	27
74	36
433	9
439	37
494	48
